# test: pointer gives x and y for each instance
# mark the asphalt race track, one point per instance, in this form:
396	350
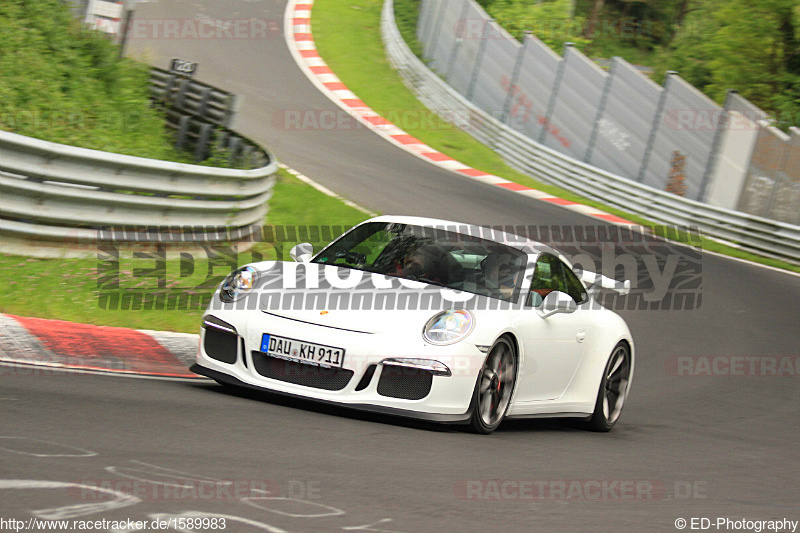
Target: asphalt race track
687	446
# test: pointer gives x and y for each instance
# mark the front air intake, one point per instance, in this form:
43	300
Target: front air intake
304	374
220	345
405	382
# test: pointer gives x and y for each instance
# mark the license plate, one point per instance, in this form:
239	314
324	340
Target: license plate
302	352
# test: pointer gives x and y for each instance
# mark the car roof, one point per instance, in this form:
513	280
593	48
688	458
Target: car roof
490	233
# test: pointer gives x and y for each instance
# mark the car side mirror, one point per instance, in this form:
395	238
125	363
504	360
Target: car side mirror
302	253
556	302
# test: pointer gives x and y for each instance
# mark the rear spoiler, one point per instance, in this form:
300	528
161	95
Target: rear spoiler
595	281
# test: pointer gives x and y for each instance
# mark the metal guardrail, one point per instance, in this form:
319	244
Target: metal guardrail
193	97
66	194
752	233
202	118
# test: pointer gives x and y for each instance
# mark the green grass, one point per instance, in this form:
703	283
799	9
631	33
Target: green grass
347	35
64	83
70	289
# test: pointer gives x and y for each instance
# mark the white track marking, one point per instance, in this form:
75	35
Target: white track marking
80	451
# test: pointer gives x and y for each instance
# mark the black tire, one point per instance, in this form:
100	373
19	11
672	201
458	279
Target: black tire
614	387
494	387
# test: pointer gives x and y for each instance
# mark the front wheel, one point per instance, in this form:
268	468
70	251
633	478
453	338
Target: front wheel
494	387
613	389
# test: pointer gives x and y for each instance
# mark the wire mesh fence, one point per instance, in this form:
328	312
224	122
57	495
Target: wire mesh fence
670	136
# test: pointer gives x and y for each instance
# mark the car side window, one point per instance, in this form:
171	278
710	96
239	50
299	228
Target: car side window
551	274
547	277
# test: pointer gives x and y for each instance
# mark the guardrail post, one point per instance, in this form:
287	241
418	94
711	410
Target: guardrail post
183	85
247	155
437	24
601	108
651	139
722	124
478	59
169	87
234	146
183	130
515	78
201	148
459	40
551	105
428	14
125	32
780	179
222	139
234	102
202	107
422	23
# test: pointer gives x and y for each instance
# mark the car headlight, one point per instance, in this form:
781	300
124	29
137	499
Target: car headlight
238	283
448	327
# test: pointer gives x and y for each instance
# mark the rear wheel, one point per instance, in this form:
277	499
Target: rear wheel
494	387
613	389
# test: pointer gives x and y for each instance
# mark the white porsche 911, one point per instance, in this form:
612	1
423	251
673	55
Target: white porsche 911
428	319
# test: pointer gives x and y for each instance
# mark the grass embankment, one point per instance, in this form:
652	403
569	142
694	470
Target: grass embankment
347	34
63	83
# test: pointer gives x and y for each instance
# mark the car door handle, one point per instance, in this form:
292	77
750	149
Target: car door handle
581	335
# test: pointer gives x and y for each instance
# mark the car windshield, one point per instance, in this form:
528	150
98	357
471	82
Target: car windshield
431	255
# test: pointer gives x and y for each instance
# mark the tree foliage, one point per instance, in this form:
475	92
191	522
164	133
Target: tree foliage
752	47
553	22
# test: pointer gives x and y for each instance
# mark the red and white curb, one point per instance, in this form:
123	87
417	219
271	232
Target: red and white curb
297	29
36	342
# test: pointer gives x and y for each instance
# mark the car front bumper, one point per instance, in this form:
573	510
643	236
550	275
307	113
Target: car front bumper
382	372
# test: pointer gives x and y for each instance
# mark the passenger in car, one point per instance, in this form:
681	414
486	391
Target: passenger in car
499	274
